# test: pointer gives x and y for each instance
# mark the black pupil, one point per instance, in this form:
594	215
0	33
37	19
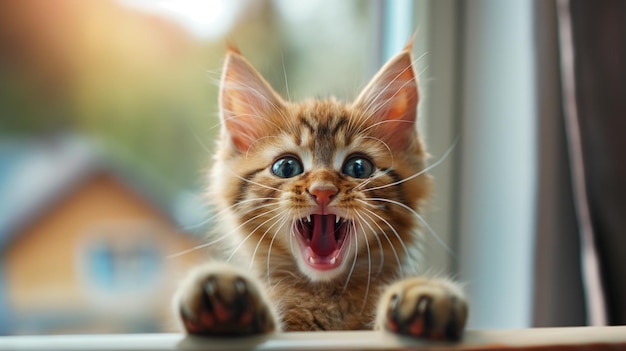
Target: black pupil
358	168
287	168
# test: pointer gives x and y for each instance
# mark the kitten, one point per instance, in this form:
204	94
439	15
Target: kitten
319	202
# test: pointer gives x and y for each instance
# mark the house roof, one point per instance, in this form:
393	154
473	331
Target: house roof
34	174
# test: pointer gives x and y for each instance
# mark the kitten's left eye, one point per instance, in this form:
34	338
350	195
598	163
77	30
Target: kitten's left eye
287	167
358	167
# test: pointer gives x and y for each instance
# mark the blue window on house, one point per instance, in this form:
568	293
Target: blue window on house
123	266
101	265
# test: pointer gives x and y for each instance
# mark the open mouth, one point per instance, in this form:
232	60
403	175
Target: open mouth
322	239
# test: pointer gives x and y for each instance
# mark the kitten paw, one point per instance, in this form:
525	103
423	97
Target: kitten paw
220	301
428	308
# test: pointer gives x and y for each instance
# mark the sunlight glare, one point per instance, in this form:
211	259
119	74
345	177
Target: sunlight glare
204	19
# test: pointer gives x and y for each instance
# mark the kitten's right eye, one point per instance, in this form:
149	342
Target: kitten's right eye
358	167
287	167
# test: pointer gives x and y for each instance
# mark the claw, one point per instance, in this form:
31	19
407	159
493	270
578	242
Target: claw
225	304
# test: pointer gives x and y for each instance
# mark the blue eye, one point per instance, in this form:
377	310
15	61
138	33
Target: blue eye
358	167
287	167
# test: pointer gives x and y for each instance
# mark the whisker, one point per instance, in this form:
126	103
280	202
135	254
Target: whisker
393	121
374	100
202	246
269	250
256	141
282	60
374	105
384	144
235	117
426	169
224	210
356	253
253	182
236	86
421	219
395	232
197	137
253	231
256	248
370	179
380	106
393	248
380	244
369	267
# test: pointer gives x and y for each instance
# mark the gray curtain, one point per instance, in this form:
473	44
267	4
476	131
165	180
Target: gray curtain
580	263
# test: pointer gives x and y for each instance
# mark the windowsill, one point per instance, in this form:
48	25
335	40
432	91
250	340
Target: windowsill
540	339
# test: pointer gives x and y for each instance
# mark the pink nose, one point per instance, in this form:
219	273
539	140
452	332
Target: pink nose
323	194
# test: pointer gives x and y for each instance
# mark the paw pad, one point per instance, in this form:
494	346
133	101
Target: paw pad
426	309
225	305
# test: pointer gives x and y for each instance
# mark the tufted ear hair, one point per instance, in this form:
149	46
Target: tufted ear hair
246	101
389	101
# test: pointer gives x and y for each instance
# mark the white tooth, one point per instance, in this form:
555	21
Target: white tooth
311	260
308	218
337	219
332	260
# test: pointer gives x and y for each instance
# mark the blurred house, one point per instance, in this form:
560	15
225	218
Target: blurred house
84	245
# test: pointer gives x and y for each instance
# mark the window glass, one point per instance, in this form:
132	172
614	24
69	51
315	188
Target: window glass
108	113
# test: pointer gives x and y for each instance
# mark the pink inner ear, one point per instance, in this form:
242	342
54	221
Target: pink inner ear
247	102
241	135
390	101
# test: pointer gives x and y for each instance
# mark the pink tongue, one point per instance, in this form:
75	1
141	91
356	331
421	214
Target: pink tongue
323	241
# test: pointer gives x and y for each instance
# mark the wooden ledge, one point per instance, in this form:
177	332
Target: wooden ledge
579	338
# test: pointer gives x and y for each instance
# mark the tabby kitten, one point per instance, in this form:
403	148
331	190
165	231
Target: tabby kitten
318	201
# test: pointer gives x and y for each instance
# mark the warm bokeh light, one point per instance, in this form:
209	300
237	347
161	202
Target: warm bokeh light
130	86
210	19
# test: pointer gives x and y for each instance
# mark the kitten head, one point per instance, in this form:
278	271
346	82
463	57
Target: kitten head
322	184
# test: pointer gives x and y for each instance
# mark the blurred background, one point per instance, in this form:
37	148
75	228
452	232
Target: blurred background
108	117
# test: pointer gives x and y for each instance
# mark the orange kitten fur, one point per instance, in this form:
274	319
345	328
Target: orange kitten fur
318	202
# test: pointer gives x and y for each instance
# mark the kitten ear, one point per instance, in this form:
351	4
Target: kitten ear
389	101
246	101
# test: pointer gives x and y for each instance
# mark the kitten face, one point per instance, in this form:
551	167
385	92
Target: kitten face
328	186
